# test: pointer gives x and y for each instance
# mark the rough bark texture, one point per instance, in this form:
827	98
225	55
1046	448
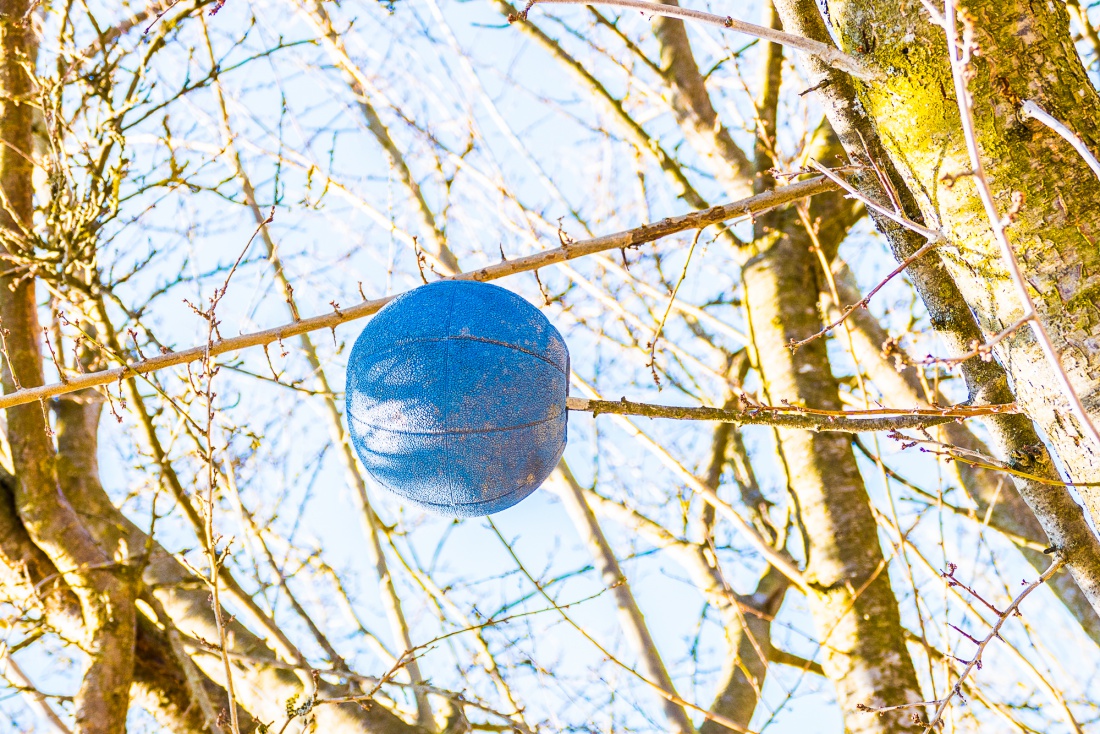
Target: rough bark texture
105	588
1026	53
27	575
851	600
1014	436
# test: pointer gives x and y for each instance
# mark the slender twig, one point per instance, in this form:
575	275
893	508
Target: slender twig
391	601
976	661
209	536
849	310
630	615
894	216
38	701
981	349
1031	109
831	55
668	308
1052	692
980	460
777	558
710	716
646	233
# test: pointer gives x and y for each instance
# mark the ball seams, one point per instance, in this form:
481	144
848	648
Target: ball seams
475	508
456	431
464	337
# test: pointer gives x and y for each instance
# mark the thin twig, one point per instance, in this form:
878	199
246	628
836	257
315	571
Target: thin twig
209	537
980	349
975	662
920	229
994	633
1031	109
831	55
776	557
849	310
668	308
976	459
38	701
710	716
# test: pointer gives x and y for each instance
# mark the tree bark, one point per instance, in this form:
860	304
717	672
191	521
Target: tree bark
1025	53
851	600
1014	436
104	587
29	578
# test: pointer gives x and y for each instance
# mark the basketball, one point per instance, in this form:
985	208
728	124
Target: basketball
456	397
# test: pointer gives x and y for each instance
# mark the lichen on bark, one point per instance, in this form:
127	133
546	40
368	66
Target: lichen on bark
1024	51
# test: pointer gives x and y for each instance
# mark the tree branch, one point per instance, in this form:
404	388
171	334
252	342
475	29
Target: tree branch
630	616
630	238
829	54
803	419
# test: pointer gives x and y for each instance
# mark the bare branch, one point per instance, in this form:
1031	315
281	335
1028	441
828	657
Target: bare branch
807	419
630	238
829	54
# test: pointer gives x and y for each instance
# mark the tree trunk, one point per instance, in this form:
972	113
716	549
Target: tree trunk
105	588
851	599
1026	53
1013	435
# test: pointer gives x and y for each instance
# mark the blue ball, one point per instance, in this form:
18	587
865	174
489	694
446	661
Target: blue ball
456	397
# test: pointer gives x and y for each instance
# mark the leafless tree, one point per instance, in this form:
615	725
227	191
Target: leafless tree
829	275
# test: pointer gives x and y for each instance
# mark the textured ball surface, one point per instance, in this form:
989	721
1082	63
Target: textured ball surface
456	397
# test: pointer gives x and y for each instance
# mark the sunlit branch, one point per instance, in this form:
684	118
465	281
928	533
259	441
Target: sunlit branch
630	238
776	557
829	54
812	421
1031	109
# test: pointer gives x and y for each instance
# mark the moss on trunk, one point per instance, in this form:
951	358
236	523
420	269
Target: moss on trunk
1024	51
